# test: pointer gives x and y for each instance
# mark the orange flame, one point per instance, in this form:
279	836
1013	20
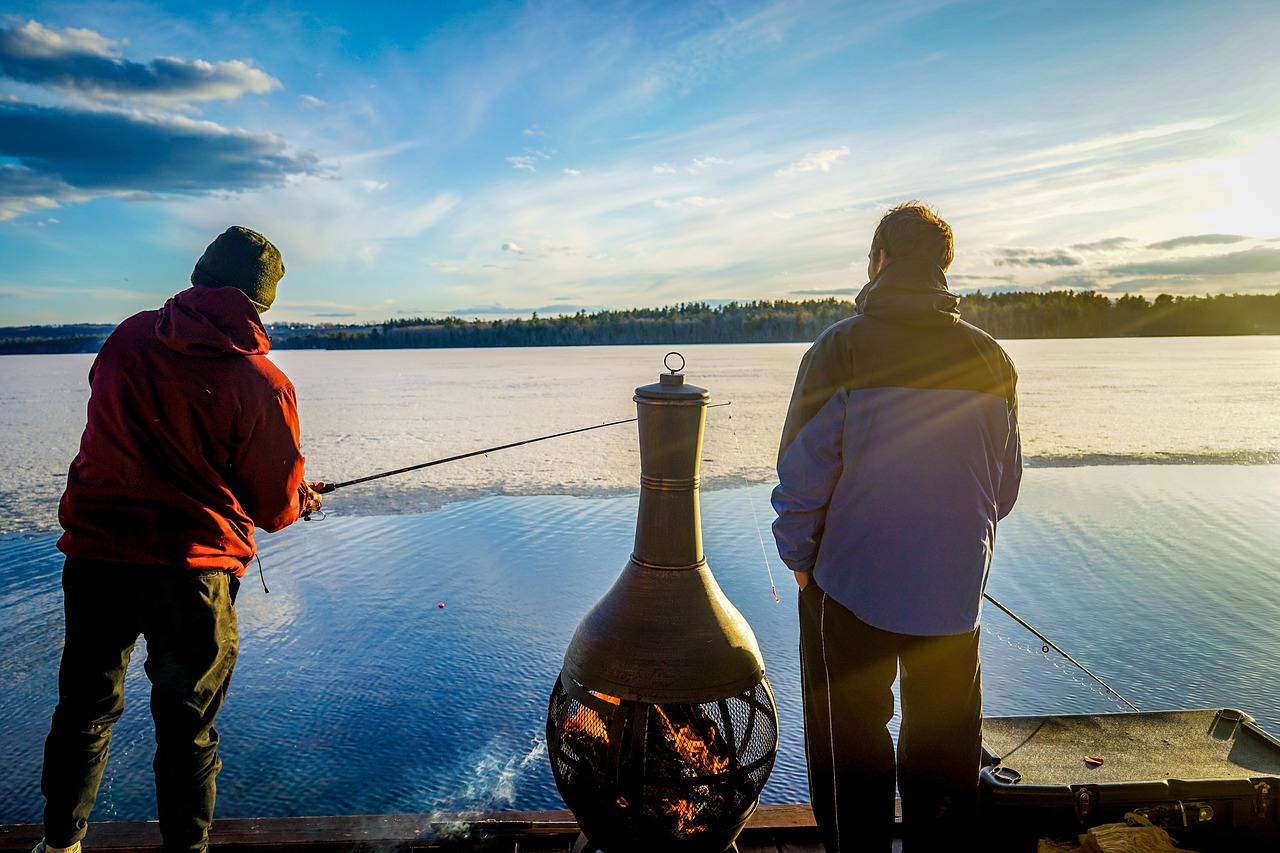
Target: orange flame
695	750
686	813
586	721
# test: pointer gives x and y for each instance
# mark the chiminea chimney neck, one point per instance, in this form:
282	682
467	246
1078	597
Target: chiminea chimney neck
671	415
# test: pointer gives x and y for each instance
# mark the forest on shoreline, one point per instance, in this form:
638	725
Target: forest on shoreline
1052	314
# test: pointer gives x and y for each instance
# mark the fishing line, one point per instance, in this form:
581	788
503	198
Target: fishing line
764	552
1062	670
1049	644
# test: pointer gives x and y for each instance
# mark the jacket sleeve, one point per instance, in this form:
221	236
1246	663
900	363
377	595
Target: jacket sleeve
1011	470
271	464
810	459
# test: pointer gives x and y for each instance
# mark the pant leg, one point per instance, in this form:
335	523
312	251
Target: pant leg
192	645
940	743
847	672
100	635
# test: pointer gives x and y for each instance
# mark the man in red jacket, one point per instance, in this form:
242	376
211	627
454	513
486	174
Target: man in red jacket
191	443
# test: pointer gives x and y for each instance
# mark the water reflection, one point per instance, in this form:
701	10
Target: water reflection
356	693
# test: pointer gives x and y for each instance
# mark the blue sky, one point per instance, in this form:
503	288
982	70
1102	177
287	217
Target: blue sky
496	158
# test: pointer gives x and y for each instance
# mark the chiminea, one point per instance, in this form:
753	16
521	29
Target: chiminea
662	727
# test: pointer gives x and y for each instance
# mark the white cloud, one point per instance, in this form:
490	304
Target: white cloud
571	171
33	40
527	164
83	63
690	201
819	161
708	162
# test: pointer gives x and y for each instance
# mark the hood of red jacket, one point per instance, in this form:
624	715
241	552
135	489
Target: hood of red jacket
212	321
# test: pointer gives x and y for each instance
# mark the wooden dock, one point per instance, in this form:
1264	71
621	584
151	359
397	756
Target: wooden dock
772	829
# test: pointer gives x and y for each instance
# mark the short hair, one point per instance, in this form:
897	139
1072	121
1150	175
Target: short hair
913	230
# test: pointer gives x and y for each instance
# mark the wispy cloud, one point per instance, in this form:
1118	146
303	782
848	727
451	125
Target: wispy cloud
709	162
1035	258
1108	244
954	278
818	161
528	162
84	63
1258	260
690	201
333	229
835	291
23	190
498	310
1199	240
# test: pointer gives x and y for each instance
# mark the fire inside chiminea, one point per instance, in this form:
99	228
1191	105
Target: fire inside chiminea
662	728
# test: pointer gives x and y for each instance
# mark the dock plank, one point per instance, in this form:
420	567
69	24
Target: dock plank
770	827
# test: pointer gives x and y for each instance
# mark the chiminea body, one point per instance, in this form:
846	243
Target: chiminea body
662	728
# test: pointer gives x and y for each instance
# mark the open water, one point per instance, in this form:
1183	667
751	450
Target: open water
1145	544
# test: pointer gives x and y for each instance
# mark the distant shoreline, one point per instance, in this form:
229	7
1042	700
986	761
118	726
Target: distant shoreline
1007	316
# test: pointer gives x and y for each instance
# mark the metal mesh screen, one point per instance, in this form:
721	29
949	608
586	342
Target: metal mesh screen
684	776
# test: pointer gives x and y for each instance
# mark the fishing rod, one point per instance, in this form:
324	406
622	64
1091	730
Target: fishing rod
329	487
1050	644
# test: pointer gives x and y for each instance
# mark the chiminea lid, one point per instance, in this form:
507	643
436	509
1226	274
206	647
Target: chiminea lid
671	386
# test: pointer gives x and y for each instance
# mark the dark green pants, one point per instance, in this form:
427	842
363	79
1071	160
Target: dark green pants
189	621
847	670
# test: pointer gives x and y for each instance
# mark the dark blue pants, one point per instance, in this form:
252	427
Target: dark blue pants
189	621
847	671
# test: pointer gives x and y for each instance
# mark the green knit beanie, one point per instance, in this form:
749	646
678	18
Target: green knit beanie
242	259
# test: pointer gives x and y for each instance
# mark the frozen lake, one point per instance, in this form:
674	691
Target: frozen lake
1144	544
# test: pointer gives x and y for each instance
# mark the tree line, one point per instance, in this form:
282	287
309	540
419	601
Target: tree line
1022	314
1054	314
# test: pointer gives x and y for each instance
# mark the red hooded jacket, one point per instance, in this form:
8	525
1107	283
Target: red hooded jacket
191	440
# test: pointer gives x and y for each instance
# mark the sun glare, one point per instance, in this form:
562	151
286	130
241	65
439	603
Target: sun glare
1249	183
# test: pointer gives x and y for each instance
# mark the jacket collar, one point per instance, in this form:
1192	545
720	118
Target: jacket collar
910	290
